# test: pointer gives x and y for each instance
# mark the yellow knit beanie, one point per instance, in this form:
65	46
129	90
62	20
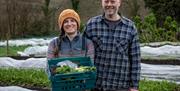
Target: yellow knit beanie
66	14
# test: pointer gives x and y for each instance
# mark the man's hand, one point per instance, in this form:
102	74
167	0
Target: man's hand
132	89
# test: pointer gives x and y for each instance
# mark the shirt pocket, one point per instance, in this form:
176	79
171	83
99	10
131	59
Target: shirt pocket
122	45
98	43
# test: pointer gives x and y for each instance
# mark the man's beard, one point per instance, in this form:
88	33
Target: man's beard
110	13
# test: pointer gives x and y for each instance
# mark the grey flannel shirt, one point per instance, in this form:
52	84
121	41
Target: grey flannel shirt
117	53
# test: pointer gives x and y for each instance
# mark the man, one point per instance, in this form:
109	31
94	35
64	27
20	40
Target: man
117	50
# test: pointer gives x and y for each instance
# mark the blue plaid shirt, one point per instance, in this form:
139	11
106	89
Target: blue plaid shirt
117	53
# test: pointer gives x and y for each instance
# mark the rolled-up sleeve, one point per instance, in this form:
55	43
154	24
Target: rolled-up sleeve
90	50
51	50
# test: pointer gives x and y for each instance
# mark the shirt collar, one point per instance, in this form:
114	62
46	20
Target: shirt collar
121	19
65	37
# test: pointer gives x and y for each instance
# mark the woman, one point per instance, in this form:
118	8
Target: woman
70	43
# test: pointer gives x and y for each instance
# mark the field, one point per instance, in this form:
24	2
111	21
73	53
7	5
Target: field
37	79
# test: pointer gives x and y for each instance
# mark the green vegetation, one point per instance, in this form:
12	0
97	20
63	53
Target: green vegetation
146	85
75	4
67	69
12	50
163	8
150	32
24	77
38	78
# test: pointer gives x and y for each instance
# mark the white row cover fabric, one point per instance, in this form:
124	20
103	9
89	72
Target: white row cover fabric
35	51
161	72
28	63
25	42
14	88
166	50
45	41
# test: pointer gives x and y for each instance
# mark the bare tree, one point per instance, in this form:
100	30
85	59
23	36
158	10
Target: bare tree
47	13
24	19
11	19
133	7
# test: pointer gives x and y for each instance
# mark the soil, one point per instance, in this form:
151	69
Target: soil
37	88
23	57
161	61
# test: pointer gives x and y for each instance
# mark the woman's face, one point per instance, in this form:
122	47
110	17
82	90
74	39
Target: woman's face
70	26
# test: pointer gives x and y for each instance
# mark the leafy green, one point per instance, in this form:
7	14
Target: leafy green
67	69
12	50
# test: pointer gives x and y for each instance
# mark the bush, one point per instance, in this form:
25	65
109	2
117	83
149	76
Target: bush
150	32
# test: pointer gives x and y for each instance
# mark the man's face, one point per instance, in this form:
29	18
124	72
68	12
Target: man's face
111	7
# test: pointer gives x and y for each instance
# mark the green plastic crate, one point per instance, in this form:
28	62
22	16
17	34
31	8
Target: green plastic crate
74	81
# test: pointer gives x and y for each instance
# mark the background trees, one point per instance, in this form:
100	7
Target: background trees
38	18
163	8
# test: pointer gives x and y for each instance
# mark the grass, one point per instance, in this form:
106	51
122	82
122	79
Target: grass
147	85
38	78
24	77
12	50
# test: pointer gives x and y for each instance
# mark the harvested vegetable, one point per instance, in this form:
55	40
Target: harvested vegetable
67	69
